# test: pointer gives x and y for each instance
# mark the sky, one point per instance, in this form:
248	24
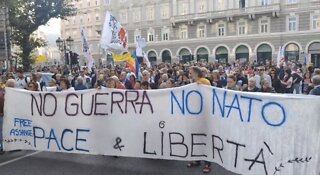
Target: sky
52	31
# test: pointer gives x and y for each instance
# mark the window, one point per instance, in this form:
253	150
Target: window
165	34
242	4
292	24
201	32
221	5
137	34
165	11
150	13
151	35
184	32
89	29
264	26
221	30
242	28
97	17
183	8
201	6
81	19
316	22
264	2
96	3
136	15
123	17
88	18
88	4
292	1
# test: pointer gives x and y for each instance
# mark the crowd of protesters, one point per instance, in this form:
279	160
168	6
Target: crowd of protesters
288	78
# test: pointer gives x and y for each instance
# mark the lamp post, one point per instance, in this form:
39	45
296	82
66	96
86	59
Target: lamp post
5	10
100	60
65	46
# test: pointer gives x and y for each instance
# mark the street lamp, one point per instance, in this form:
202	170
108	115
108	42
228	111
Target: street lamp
5	10
69	42
63	44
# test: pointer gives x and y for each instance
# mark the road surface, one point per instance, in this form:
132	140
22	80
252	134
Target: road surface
46	163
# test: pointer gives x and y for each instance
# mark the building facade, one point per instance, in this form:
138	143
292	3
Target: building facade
217	30
90	16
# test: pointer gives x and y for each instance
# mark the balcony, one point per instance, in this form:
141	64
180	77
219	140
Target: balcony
227	13
312	5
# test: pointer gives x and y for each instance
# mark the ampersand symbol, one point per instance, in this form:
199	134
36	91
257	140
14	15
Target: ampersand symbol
117	145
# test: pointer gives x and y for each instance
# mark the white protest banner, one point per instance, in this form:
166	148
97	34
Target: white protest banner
246	133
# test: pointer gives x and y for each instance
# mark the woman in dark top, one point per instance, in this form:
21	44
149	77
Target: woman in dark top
276	83
287	82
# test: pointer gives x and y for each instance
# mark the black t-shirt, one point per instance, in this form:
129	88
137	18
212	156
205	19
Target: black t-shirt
243	79
296	78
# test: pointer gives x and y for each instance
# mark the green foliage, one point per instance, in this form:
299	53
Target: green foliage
26	16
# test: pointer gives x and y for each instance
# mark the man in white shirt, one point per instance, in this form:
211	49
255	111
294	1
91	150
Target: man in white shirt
262	76
21	81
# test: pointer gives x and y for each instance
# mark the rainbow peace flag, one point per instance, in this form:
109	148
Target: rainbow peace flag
128	58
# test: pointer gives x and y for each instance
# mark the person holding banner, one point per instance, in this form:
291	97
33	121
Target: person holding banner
65	85
197	76
232	83
11	83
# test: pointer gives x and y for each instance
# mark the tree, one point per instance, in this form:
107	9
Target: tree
25	17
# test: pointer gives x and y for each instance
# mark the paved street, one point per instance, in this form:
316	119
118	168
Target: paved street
45	163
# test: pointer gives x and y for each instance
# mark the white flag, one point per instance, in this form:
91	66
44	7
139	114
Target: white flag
146	60
280	57
114	35
140	44
86	49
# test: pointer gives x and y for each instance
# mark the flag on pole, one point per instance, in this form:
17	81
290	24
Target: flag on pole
146	60
126	57
86	50
114	36
140	44
137	64
280	57
305	59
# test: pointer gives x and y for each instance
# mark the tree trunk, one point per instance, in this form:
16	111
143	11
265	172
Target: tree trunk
26	53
